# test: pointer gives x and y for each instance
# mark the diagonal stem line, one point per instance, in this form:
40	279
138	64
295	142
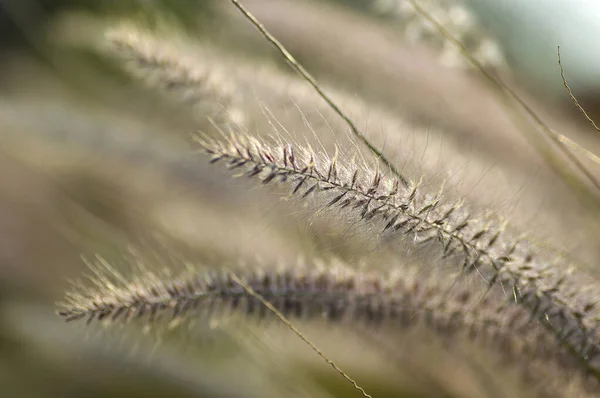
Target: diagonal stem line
311	80
564	79
283	319
560	139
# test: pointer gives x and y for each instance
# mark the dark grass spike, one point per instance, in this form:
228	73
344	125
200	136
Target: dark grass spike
338	294
510	261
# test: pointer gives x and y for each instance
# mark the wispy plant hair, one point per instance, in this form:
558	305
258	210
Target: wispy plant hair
332	291
204	88
532	278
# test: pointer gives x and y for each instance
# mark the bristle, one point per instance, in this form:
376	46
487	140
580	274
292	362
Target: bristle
204	87
335	293
484	246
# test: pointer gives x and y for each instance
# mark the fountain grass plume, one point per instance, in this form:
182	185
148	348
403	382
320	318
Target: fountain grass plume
533	278
332	291
205	88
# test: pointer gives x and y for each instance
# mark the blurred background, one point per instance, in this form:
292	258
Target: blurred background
98	104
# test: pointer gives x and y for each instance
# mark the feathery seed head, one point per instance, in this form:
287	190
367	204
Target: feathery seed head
483	246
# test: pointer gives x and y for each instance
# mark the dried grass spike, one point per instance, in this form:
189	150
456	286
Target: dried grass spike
202	86
537	282
336	293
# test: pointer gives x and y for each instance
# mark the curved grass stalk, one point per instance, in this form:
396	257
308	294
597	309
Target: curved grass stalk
333	292
281	92
535	280
562	142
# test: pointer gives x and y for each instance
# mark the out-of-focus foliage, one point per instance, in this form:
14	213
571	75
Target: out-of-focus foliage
22	21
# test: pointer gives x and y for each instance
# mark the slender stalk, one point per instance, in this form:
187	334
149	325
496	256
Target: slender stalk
311	80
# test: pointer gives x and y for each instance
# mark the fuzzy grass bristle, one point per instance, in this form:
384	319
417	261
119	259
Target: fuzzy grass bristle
416	265
535	279
199	85
333	292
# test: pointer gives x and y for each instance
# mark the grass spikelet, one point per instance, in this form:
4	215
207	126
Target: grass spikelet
281	93
531	277
202	87
335	292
